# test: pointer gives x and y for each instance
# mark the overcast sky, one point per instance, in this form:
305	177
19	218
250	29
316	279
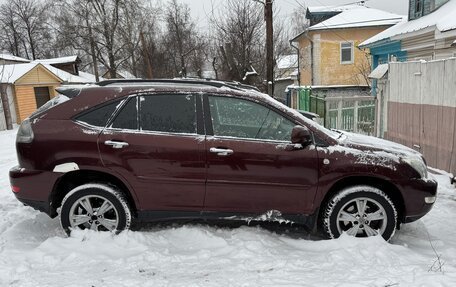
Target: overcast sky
202	8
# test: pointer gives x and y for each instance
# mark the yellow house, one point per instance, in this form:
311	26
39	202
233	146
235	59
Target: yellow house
29	86
328	49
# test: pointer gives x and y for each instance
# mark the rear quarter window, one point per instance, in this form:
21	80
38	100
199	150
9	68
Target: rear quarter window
99	116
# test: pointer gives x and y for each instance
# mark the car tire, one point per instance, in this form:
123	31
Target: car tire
360	211
95	206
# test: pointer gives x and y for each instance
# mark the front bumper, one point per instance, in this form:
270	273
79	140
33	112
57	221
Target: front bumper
34	187
415	194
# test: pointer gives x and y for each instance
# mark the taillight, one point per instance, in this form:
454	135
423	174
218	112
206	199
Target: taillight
25	132
15	189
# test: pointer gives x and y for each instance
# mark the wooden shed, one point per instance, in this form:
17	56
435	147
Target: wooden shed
29	85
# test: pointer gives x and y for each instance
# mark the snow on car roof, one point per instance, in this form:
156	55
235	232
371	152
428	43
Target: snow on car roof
444	19
359	17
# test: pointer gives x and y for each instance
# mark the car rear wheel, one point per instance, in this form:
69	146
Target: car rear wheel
98	207
360	211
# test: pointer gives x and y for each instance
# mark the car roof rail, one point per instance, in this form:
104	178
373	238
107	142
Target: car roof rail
207	82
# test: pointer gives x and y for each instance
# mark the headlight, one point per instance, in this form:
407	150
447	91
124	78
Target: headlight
417	164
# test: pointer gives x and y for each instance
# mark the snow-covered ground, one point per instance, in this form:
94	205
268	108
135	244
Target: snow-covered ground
35	252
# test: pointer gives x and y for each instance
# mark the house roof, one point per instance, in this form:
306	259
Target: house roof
90	77
359	17
9	74
443	19
379	71
67	77
61	60
126	74
287	61
328	9
9	57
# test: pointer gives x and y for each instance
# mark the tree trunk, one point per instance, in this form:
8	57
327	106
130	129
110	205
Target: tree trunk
112	65
92	51
6	107
150	73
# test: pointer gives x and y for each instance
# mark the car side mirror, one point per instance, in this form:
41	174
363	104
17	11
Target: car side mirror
301	135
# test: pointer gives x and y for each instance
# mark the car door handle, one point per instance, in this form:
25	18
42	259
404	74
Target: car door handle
116	144
221	151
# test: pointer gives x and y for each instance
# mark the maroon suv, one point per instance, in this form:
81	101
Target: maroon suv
102	156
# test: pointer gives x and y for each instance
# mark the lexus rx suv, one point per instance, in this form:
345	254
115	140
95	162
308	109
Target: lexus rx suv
105	155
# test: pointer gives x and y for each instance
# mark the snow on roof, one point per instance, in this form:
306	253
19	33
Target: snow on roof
61	60
90	77
287	61
9	74
359	17
443	18
324	9
9	57
379	72
67	77
126	74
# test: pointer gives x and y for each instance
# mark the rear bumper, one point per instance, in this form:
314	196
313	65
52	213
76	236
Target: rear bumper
33	187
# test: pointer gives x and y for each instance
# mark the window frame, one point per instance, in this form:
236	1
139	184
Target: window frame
352	54
209	125
418	8
117	112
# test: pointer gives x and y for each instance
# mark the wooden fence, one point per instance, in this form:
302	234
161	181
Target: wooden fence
421	109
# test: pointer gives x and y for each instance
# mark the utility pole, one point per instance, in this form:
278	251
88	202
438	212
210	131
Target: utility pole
269	46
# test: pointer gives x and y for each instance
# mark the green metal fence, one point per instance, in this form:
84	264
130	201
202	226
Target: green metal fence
304	99
354	114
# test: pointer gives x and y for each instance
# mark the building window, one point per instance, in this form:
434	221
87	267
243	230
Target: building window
418	8
346	53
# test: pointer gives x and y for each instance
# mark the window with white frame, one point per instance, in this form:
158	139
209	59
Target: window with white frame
346	52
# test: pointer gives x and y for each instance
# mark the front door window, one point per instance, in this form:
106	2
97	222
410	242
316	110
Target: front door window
233	117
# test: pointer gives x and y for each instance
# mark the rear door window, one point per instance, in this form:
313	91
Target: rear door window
234	117
168	113
127	118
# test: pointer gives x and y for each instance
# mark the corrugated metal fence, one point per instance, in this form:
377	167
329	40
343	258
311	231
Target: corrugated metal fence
421	109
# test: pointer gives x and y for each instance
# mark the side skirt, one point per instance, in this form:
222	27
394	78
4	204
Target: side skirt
309	221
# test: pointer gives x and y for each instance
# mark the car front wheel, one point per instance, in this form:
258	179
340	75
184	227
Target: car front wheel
98	207
360	211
